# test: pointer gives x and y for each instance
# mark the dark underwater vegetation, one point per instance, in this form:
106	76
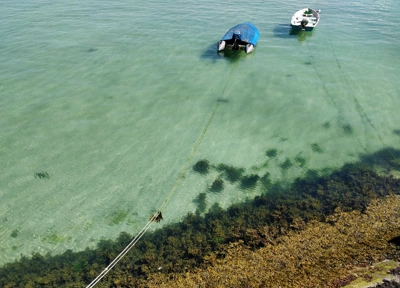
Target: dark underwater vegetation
217	185
201	201
286	164
231	173
326	125
301	161
222	100
316	148
271	152
14	233
201	166
186	245
42	175
249	181
347	129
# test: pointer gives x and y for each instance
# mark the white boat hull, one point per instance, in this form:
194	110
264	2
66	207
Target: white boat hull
305	19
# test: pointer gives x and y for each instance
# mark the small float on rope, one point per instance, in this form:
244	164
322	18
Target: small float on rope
156	217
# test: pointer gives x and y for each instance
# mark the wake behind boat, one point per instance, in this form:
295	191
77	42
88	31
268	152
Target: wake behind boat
305	20
240	37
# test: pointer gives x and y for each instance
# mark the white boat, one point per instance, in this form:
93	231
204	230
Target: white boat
305	20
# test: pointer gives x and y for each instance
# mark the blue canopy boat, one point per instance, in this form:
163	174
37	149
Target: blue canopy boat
242	36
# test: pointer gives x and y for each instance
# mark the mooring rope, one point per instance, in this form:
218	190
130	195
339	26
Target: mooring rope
122	254
155	216
361	112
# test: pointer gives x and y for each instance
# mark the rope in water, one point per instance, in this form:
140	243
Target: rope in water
156	215
363	115
122	254
169	196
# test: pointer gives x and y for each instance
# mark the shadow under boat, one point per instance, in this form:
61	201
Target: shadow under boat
281	31
301	35
285	31
225	55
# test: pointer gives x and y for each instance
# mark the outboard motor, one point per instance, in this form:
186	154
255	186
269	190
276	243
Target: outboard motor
235	45
304	23
236	37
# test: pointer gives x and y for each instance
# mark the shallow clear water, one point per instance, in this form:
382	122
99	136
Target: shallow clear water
101	106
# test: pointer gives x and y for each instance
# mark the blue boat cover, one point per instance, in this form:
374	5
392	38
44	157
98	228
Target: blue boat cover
245	32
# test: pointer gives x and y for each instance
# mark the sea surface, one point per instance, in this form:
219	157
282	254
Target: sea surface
104	104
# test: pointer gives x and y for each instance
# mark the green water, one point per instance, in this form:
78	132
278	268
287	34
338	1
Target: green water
101	106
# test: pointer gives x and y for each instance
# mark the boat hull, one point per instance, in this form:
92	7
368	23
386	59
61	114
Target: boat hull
305	20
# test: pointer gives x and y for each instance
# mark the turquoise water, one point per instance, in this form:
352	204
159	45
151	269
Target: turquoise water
101	106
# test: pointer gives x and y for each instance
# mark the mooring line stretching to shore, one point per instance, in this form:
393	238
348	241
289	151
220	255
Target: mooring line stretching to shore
361	112
123	253
155	216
